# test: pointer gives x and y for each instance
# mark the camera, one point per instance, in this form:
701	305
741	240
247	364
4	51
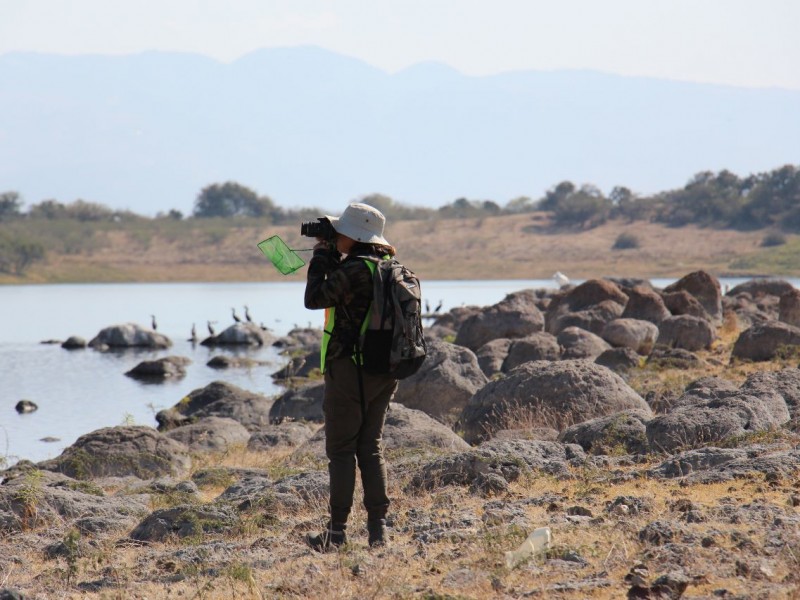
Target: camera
321	228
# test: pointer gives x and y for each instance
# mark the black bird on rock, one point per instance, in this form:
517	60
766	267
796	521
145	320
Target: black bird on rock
247	316
210	328
153	323
235	316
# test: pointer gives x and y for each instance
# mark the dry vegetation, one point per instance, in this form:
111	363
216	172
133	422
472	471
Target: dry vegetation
590	557
504	247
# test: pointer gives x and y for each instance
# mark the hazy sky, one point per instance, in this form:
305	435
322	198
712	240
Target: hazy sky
739	42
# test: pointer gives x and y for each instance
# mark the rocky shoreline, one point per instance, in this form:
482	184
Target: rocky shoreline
655	431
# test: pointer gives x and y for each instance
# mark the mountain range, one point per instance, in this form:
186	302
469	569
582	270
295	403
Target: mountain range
309	127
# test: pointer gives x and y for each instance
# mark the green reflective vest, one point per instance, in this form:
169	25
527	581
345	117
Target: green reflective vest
330	323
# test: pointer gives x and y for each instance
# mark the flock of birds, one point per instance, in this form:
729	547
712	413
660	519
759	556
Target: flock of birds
210	324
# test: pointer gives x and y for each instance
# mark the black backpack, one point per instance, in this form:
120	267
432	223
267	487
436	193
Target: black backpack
392	342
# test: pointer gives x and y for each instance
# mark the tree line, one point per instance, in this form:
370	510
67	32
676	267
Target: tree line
724	200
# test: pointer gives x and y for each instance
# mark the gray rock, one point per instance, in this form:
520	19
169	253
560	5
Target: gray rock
240	334
683	303
234	362
448	324
623	431
211	434
122	451
674	358
129	335
708	465
705	288
33	499
307	339
536	346
645	304
762	286
300	365
635	334
696	422
218	399
589	306
687	332
619	360
159	369
288	434
701	459
505	459
789	308
404	429
580	343
515	316
188	520
549	394
447	379
785	382
492	355
303	403
289	495
765	341
74	342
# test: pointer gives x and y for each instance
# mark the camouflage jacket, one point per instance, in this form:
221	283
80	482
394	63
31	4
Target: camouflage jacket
346	285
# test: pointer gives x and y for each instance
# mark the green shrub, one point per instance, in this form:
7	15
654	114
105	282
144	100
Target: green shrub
626	241
774	238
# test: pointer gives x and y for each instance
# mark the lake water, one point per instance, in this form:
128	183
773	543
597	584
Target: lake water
82	390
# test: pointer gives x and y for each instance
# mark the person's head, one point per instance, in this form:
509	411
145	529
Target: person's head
359	223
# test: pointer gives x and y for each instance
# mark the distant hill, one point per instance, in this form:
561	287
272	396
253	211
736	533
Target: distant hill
309	127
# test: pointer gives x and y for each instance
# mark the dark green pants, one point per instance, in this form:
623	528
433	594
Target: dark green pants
351	438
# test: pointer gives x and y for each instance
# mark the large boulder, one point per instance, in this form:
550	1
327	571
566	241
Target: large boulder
645	304
496	464
129	335
168	367
696	421
580	343
619	360
240	334
705	288
681	302
789	308
218	399
447	379
405	429
302	403
136	451
785	382
687	332
211	434
636	334
32	498
186	520
287	434
515	316
590	306
765	341
536	346
762	286
621	432
547	394
492	355
447	324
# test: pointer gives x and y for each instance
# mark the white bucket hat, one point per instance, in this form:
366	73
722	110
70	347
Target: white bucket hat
361	222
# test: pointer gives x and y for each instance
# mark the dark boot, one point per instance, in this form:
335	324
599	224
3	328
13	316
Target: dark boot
377	533
333	537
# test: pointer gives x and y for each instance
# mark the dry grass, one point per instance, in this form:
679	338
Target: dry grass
267	559
504	247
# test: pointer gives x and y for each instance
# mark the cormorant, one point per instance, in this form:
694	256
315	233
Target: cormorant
210	328
153	323
247	316
235	316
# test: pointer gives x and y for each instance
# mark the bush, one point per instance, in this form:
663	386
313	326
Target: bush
774	238
16	254
625	241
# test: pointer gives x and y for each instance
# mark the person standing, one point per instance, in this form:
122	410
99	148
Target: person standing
355	402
